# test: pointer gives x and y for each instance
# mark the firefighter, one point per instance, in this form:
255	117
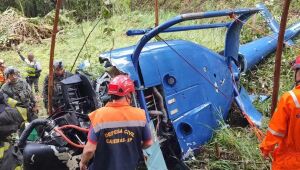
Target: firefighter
19	90
12	118
33	70
2	68
282	140
59	74
118	131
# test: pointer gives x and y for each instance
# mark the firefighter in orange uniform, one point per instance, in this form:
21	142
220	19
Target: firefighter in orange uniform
2	68
118	131
282	141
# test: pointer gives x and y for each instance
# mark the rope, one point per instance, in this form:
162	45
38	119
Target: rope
259	134
257	131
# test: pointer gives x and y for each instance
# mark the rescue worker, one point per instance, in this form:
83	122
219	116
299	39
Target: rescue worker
282	140
2	68
19	90
118	131
59	74
33	70
12	118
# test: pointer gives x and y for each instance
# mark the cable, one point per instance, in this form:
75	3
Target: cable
257	131
67	139
196	69
74	127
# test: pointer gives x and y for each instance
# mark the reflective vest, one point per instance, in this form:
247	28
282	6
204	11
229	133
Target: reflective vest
23	111
283	132
3	149
31	70
6	157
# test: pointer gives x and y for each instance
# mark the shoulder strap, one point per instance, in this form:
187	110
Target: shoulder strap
295	99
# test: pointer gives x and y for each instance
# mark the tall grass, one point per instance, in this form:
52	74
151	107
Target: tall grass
230	148
240	143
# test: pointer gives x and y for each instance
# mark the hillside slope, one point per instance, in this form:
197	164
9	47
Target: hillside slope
231	148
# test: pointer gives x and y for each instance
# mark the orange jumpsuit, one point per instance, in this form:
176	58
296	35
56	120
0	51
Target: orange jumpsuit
283	135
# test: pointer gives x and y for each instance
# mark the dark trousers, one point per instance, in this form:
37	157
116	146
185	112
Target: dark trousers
33	81
11	159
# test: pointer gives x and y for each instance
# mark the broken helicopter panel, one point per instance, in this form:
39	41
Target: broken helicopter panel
184	87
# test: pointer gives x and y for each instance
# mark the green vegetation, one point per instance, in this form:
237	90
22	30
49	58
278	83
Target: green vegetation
231	148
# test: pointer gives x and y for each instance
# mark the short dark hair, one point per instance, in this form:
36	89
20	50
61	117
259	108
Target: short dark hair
115	97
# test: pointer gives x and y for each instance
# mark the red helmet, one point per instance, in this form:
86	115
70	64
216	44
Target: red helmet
121	85
296	64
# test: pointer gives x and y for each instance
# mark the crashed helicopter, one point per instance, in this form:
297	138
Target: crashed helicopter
177	83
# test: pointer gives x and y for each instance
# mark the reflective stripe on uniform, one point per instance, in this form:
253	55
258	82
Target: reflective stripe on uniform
12	102
295	99
119	124
4	148
23	112
275	133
